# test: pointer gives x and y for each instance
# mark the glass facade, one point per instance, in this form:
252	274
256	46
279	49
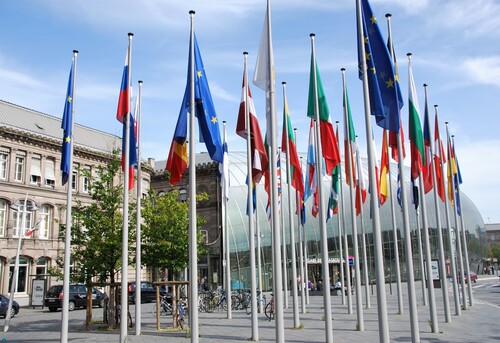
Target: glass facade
239	240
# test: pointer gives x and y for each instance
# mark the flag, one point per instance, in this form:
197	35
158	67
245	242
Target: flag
254	198
258	150
452	170
311	184
349	141
295	169
333	202
439	159
329	148
399	191
427	167
123	99
67	126
393	138
224	172
415	193
263	77
384	100
132	157
456	175
384	170
360	183
415	129
207	120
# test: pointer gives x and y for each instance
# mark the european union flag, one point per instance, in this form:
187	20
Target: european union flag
205	110
67	126
385	97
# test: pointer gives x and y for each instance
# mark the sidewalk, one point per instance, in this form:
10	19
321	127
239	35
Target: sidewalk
479	324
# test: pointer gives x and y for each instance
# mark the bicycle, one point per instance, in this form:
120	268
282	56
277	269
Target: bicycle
269	310
165	306
181	315
260	299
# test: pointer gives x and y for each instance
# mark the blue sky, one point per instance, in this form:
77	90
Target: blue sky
454	44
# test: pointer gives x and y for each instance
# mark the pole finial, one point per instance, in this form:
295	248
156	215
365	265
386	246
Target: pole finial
75	51
436	106
192	12
342	69
388	15
425	84
312	35
408	54
446	123
130	34
245	53
140	81
223	122
283	82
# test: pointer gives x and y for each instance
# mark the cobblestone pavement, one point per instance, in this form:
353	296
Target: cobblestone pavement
478	324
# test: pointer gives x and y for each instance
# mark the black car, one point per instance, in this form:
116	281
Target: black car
148	292
4	305
77	297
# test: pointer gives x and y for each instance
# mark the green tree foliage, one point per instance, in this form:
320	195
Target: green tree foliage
495	251
165	233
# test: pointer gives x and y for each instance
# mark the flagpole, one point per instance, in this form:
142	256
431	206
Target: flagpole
295	302
464	240
303	279
354	226
379	258
451	246
304	242
283	243
124	271
442	261
420	255
427	247
227	255
259	258
251	218
193	248
322	223
69	206
138	241
461	275
391	192
363	236
340	223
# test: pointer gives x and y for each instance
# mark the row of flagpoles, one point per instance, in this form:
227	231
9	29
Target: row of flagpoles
382	99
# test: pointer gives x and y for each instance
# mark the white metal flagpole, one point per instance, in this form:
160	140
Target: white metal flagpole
138	241
124	272
322	217
340	223
303	278
193	248
225	195
67	242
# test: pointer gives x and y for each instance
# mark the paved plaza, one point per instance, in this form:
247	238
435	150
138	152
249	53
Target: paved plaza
478	324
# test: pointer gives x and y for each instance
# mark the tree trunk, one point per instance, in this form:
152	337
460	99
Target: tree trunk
88	315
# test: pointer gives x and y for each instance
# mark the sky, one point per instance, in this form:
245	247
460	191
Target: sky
455	47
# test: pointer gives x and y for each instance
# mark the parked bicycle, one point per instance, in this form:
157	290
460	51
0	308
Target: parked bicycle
165	306
260	299
269	310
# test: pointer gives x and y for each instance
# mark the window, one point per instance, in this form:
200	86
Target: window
74	178
18	218
36	171
19	166
45	221
4	163
3	216
182	194
86	180
41	268
50	177
144	188
22	277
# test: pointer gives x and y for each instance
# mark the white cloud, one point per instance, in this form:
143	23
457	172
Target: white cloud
484	70
474	17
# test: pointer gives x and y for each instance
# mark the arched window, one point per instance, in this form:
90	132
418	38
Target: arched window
18	217
44	226
3	217
22	277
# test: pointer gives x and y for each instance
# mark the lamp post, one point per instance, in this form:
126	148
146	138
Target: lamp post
16	206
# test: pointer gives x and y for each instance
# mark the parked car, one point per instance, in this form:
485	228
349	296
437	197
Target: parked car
4	305
472	277
148	292
77	297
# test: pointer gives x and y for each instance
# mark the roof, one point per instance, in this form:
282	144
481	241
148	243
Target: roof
40	124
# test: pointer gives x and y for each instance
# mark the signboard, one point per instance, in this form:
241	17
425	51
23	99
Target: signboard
37	292
435	269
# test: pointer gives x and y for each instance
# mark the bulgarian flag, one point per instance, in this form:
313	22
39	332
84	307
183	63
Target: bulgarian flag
328	140
415	128
295	168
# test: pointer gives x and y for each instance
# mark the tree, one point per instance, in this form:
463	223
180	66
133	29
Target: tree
96	234
165	233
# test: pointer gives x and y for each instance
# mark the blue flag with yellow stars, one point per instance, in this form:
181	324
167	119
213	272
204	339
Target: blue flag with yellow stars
205	110
67	126
382	83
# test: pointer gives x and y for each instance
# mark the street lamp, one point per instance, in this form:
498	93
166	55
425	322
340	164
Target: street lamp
16	206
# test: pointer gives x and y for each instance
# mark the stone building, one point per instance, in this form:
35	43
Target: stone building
30	156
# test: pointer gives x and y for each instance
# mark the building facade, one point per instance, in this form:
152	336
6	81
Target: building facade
30	157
